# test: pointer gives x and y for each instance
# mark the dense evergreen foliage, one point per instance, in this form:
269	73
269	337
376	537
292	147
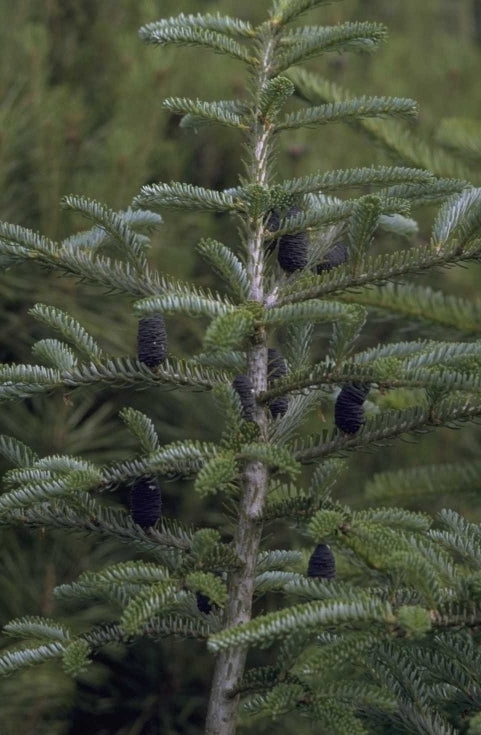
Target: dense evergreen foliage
384	639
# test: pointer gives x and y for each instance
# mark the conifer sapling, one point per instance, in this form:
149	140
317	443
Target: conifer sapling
400	569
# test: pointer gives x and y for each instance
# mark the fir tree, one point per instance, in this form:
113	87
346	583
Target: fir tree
388	642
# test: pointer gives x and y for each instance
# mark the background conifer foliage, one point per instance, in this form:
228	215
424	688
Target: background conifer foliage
370	617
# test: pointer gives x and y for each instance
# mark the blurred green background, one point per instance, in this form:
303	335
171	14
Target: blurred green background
81	112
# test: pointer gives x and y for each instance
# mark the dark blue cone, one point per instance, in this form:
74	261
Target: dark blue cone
145	502
322	564
293	252
293	249
348	410
151	340
278	406
276	368
276	365
204	604
245	391
356	392
272	225
336	256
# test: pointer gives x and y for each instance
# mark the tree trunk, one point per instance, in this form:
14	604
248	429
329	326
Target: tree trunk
229	669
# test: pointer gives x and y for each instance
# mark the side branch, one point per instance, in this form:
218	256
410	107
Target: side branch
377	270
406	377
417	420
